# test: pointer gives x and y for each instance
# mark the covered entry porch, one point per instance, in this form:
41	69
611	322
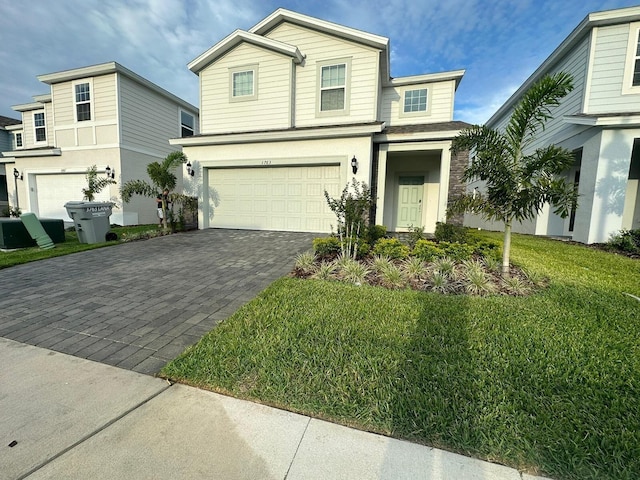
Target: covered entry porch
412	185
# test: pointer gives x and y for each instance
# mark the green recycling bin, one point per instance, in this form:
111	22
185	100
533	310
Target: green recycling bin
91	220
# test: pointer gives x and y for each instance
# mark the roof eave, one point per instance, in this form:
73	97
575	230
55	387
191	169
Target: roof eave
455	75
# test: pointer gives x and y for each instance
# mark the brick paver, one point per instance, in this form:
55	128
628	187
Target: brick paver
138	305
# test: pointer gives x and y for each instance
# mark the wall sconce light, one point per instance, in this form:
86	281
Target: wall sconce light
110	173
190	170
354	165
17	175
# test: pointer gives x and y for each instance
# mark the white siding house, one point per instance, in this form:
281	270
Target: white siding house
103	115
297	106
599	120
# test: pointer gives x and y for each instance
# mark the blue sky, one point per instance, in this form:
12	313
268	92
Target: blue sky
498	42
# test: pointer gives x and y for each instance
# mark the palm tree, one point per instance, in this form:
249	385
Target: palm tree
162	178
518	182
94	184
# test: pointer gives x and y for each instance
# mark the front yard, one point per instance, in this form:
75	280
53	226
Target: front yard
548	383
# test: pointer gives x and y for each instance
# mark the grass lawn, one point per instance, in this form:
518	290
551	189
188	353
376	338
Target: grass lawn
71	245
548	384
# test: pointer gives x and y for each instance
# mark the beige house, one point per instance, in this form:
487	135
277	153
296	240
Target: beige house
103	115
599	120
296	106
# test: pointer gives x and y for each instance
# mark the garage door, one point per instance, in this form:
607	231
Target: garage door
274	198
52	191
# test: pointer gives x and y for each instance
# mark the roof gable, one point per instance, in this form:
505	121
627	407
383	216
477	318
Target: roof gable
235	39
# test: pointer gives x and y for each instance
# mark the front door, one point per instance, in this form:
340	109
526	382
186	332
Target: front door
410	190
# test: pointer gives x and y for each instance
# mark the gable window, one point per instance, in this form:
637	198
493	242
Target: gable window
636	61
415	100
83	102
333	84
18	139
40	129
243	83
187	124
631	78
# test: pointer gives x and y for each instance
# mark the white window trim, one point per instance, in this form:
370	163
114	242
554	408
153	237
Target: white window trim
75	103
347	87
46	136
180	112
244	98
420	113
15	139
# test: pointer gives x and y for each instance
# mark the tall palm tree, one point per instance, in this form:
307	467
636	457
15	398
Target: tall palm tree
518	181
162	178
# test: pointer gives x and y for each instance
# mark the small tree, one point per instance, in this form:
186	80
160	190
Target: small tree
162	178
518	184
352	212
94	184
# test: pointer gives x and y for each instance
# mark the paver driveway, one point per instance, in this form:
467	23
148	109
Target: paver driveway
138	305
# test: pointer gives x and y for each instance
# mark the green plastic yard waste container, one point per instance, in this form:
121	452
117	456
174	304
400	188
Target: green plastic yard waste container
90	219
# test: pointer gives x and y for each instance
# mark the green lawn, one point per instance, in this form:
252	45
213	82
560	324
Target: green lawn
71	245
548	384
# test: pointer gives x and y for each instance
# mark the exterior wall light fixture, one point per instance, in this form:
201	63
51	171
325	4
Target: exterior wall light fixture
17	175
110	173
190	170
354	165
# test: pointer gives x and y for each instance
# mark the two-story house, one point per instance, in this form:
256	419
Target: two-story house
599	120
6	141
103	115
296	106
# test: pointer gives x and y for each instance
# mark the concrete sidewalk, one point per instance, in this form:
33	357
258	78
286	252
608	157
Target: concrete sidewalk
67	417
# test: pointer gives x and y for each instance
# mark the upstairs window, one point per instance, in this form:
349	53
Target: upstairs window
187	124
243	83
39	126
83	102
636	60
18	139
415	100
333	85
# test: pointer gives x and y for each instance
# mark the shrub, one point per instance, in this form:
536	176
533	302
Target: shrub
427	250
354	271
446	232
414	269
305	262
415	234
380	263
487	249
326	246
626	241
392	277
391	247
457	251
325	270
374	233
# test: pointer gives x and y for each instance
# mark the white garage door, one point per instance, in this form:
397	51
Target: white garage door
52	191
274	198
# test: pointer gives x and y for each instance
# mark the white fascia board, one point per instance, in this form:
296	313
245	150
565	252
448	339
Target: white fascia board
631	120
279	136
44	98
45	152
25	107
416	136
596	19
15	126
237	37
282	15
428	78
112	67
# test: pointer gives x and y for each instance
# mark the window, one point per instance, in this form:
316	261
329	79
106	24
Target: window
415	100
631	78
39	126
187	123
83	102
243	83
333	85
18	139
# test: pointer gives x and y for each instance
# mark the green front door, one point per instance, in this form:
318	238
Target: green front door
410	201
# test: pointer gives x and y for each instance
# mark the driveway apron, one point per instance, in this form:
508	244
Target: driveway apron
138	305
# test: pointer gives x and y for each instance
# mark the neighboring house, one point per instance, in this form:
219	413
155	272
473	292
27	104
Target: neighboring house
599	121
6	142
296	106
103	115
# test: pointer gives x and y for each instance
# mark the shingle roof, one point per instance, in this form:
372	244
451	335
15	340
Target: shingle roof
5	121
427	127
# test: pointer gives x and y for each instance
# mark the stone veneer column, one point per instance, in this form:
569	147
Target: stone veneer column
456	185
